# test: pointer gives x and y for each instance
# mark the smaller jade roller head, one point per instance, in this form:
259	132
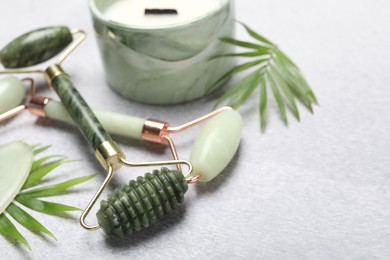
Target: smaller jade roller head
35	47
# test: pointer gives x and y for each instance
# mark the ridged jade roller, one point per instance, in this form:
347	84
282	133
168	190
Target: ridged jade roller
15	163
12	93
216	145
141	202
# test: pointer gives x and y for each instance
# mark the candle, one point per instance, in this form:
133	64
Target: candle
158	51
132	12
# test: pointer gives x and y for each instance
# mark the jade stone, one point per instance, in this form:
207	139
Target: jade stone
114	123
216	145
12	93
35	47
167	64
142	202
15	163
80	112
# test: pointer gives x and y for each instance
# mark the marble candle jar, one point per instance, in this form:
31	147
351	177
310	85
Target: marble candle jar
163	64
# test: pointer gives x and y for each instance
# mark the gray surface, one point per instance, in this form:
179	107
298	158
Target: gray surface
318	189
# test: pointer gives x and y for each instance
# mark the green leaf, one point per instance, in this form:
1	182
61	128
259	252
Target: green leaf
262	49
44	206
9	230
27	220
238	88
295	73
238	101
235	70
39	149
294	85
241	54
282	75
287	92
263	102
39	162
256	35
35	176
56	189
278	99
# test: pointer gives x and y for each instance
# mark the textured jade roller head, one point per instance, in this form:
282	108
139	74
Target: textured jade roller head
147	198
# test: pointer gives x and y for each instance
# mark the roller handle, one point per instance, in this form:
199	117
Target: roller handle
114	123
80	112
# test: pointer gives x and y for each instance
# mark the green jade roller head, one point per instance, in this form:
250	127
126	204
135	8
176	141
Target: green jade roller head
132	206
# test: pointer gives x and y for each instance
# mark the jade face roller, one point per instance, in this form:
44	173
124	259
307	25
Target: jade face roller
40	45
132	206
222	131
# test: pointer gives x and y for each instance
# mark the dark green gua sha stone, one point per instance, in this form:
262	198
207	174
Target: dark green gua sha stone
35	47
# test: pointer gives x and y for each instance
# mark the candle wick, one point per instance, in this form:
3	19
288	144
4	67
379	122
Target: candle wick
155	11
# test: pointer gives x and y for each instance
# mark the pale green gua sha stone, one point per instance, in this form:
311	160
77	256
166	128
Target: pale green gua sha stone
167	64
114	123
12	93
35	47
15	164
216	145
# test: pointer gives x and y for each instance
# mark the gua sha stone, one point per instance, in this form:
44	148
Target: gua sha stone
12	92
35	47
15	164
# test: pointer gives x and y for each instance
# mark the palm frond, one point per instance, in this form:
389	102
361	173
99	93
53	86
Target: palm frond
27	220
28	197
9	230
275	71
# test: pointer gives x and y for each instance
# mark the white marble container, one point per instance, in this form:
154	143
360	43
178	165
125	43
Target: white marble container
167	62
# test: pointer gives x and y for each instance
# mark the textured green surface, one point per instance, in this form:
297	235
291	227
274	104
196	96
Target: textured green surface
35	47
142	202
80	112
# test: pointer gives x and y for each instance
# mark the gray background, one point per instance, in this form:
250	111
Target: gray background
318	189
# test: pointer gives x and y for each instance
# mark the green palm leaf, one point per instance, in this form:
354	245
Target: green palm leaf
235	70
27	220
263	102
55	189
278	98
43	206
36	175
29	197
288	93
39	162
276	71
40	149
9	230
